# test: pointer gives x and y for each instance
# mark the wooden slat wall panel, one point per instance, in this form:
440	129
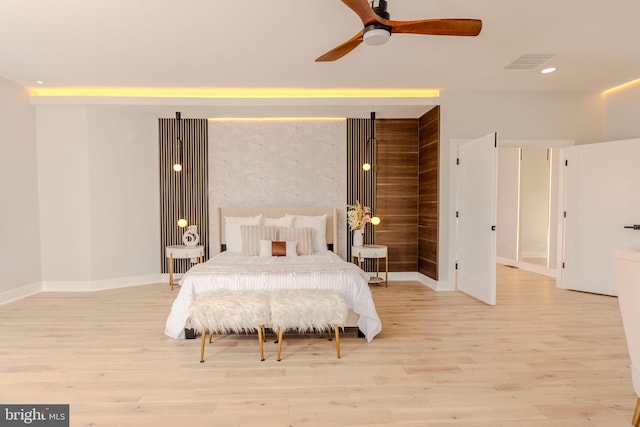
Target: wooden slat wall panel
397	191
192	182
360	184
428	206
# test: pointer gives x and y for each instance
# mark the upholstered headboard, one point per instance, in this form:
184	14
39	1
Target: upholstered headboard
276	212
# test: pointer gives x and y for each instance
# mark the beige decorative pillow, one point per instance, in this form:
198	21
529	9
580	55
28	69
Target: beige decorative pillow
303	236
319	226
253	234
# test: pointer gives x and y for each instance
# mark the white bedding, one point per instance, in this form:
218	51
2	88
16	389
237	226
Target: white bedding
324	270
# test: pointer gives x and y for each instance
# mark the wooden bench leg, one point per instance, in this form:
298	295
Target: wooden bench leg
279	343
635	422
337	333
204	339
261	342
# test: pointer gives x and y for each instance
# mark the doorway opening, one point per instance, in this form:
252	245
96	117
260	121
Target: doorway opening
528	216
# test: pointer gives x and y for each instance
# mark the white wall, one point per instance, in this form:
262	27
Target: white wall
20	271
278	163
535	172
125	192
622	113
99	196
514	115
63	180
507	210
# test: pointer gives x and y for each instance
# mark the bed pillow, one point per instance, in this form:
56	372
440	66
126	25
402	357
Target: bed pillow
277	248
319	226
303	237
232	234
283	221
253	234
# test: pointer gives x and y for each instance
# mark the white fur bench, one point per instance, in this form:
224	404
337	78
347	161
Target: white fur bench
307	309
227	311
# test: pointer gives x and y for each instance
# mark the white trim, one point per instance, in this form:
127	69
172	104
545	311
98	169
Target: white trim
19	293
414	276
101	285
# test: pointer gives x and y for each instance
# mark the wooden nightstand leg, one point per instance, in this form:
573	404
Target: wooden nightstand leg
386	272
171	271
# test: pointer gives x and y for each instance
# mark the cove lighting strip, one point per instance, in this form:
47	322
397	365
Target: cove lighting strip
622	86
234	93
274	119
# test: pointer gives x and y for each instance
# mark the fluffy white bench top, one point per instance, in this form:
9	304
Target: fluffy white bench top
224	311
307	309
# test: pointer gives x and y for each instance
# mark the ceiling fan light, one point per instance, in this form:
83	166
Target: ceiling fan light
376	36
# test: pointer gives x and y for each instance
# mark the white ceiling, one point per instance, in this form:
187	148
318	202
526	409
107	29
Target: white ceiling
215	43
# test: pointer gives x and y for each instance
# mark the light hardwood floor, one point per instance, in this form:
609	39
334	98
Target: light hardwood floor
541	357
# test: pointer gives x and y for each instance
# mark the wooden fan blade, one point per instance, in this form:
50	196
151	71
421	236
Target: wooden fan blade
363	9
438	27
342	50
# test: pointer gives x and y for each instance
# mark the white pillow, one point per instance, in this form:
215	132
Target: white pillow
319	226
232	233
267	245
283	221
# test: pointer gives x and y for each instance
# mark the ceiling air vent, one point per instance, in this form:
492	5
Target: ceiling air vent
530	61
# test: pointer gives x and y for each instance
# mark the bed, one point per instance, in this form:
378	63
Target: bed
246	263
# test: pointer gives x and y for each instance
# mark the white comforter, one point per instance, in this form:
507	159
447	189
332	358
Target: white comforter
319	271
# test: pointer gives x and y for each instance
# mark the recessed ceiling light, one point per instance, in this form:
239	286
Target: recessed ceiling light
548	70
40	82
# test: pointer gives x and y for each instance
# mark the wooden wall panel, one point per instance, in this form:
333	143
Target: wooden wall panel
360	184
187	190
397	191
428	195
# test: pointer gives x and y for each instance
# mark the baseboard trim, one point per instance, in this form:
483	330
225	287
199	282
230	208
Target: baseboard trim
19	293
414	276
125	282
101	285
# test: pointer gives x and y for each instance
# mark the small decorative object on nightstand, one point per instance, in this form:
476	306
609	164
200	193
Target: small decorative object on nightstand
191	236
195	253
376	252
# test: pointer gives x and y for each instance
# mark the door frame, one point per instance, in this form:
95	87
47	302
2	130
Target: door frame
453	153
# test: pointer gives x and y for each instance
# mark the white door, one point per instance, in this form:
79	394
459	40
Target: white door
476	235
602	197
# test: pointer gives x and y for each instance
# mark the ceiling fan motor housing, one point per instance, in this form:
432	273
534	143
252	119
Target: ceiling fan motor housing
377	33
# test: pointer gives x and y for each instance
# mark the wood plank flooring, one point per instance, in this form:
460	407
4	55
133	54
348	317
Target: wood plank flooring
541	357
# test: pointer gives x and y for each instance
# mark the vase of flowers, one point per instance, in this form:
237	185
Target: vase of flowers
357	217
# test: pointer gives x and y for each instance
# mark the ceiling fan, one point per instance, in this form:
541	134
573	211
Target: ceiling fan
378	27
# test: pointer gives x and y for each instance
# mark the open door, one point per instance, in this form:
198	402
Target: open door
476	218
602	212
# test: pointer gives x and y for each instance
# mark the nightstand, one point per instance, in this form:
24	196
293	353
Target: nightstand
376	252
196	253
